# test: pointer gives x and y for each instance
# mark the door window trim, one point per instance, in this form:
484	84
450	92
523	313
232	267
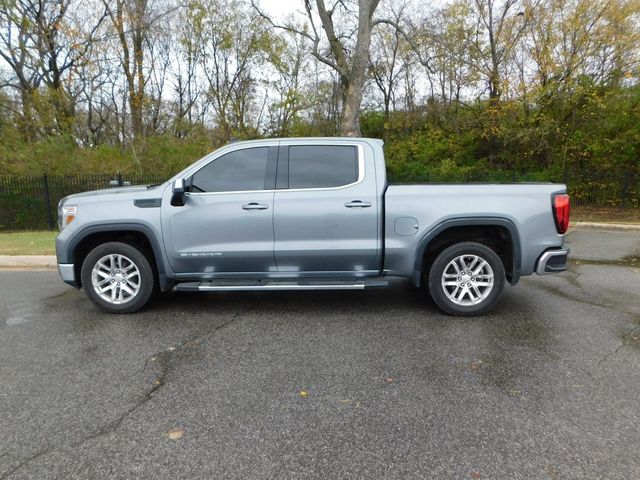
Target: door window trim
359	151
272	168
270	173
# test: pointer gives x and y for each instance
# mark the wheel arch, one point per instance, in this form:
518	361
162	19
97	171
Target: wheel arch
138	235
453	231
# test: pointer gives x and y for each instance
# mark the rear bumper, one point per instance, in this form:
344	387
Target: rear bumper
552	261
68	273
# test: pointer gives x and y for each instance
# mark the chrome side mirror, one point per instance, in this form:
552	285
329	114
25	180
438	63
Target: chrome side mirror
177	199
178	187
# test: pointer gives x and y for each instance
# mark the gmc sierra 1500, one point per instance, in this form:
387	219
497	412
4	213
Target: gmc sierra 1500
308	213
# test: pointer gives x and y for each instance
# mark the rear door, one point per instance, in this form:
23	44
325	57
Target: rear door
325	211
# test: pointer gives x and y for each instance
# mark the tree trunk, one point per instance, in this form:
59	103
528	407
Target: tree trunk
131	22
494	84
350	125
27	121
350	122
138	34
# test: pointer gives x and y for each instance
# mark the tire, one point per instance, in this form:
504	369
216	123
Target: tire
118	278
464	294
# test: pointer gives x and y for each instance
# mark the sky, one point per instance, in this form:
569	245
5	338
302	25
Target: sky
281	8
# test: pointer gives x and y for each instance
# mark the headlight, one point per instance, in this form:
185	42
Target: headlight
66	215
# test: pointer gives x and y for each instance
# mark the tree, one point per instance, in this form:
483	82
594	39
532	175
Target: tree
286	55
568	39
17	52
132	21
186	87
499	25
349	60
41	43
232	41
385	60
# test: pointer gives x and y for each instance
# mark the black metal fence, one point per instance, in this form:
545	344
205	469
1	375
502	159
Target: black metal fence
30	203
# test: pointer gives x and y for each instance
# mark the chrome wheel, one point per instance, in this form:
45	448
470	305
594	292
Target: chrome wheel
467	280
116	279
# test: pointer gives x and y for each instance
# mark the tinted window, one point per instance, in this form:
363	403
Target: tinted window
322	166
240	170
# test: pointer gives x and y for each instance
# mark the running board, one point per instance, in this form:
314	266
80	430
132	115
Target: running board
254	285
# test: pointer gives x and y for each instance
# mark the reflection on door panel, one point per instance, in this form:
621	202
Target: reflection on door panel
226	222
320	227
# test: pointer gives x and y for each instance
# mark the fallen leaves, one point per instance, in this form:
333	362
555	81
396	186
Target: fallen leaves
349	403
175	433
303	394
475	365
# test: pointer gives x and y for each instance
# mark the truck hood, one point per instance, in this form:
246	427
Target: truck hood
128	191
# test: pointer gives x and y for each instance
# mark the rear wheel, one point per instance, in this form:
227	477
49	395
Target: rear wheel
466	279
118	277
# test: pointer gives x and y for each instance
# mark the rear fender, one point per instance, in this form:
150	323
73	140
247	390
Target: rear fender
470	221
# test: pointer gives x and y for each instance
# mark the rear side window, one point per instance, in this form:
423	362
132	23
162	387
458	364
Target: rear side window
236	171
322	166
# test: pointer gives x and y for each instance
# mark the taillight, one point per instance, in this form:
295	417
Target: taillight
561	209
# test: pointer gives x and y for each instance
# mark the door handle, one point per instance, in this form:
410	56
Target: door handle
357	204
255	206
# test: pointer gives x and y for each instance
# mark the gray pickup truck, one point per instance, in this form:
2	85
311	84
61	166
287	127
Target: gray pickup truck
308	213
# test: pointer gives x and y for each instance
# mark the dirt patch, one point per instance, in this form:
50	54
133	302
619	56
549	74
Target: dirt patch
628	261
611	215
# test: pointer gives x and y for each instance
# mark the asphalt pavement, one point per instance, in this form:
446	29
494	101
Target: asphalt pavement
373	384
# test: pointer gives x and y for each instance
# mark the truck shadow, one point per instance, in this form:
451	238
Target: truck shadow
497	352
514	321
400	294
489	347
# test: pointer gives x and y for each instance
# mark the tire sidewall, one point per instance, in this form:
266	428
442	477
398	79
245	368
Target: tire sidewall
442	260
147	277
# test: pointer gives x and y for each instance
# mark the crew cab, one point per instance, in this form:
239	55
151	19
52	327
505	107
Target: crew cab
308	213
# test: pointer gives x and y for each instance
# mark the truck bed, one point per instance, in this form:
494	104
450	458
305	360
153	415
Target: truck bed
527	206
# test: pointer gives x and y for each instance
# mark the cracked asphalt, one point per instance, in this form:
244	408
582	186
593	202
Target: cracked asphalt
547	386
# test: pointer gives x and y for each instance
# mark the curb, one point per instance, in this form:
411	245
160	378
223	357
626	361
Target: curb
606	226
48	262
28	262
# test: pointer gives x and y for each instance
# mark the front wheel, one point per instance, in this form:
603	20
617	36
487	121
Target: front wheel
118	277
466	279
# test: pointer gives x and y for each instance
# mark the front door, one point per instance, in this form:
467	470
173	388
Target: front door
326	212
226	223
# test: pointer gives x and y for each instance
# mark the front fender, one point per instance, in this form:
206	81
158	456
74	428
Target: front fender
66	246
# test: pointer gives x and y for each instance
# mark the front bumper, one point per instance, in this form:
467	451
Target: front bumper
68	273
552	261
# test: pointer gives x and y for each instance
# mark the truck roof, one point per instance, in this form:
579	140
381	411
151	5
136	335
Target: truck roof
310	139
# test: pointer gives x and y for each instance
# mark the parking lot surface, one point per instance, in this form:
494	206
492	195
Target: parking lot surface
374	384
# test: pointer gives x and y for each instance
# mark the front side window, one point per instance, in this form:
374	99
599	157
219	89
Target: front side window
322	166
235	171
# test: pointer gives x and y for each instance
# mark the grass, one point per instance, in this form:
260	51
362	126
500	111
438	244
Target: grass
42	243
27	243
606	215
